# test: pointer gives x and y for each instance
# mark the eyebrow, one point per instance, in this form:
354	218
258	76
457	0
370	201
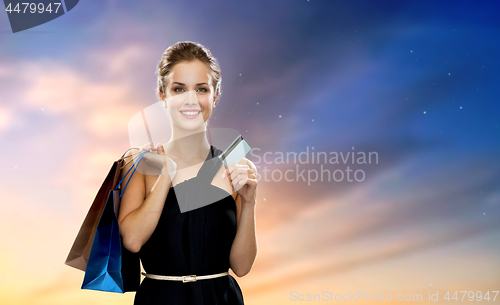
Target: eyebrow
198	84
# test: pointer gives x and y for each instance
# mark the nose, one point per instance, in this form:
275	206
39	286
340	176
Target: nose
191	98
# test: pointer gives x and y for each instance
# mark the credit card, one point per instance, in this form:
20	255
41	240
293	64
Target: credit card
235	152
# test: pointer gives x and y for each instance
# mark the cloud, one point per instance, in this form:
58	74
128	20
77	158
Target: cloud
5	118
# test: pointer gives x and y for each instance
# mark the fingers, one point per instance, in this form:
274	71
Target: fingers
246	181
148	147
159	149
229	170
240	182
240	175
237	169
156	155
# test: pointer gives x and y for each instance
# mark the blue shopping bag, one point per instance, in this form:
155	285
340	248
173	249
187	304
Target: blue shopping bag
111	267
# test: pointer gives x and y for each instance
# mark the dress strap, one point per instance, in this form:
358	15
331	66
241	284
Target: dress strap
211	166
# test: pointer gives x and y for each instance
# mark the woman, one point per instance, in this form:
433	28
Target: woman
204	241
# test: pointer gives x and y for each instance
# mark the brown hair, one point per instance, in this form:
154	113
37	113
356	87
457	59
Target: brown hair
187	51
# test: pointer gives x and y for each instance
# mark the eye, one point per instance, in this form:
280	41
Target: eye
204	89
175	89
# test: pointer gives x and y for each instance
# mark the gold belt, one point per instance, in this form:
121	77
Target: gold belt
184	278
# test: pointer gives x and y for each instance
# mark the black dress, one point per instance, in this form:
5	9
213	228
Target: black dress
194	242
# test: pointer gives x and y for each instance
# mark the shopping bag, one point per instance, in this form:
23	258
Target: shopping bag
106	270
79	254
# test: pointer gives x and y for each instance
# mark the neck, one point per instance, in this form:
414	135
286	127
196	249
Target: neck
188	145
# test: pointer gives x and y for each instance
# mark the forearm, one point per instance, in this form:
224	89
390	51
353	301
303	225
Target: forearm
244	248
138	226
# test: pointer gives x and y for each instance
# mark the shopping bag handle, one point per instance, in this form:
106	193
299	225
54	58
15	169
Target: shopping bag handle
133	166
122	157
138	159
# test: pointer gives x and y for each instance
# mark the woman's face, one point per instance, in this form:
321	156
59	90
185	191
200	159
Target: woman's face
189	96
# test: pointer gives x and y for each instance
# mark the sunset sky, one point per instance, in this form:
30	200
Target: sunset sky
415	82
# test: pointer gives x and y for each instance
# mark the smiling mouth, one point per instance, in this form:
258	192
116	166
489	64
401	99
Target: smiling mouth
190	114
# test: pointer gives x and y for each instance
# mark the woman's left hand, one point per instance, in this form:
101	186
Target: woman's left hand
243	179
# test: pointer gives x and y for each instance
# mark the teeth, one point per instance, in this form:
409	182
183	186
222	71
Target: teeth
190	112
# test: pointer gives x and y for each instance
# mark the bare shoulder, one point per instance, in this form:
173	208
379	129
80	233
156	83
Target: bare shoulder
128	161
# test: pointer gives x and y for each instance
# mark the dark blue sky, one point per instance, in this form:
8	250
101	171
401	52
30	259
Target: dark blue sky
402	77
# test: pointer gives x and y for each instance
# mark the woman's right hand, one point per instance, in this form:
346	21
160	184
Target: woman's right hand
159	159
